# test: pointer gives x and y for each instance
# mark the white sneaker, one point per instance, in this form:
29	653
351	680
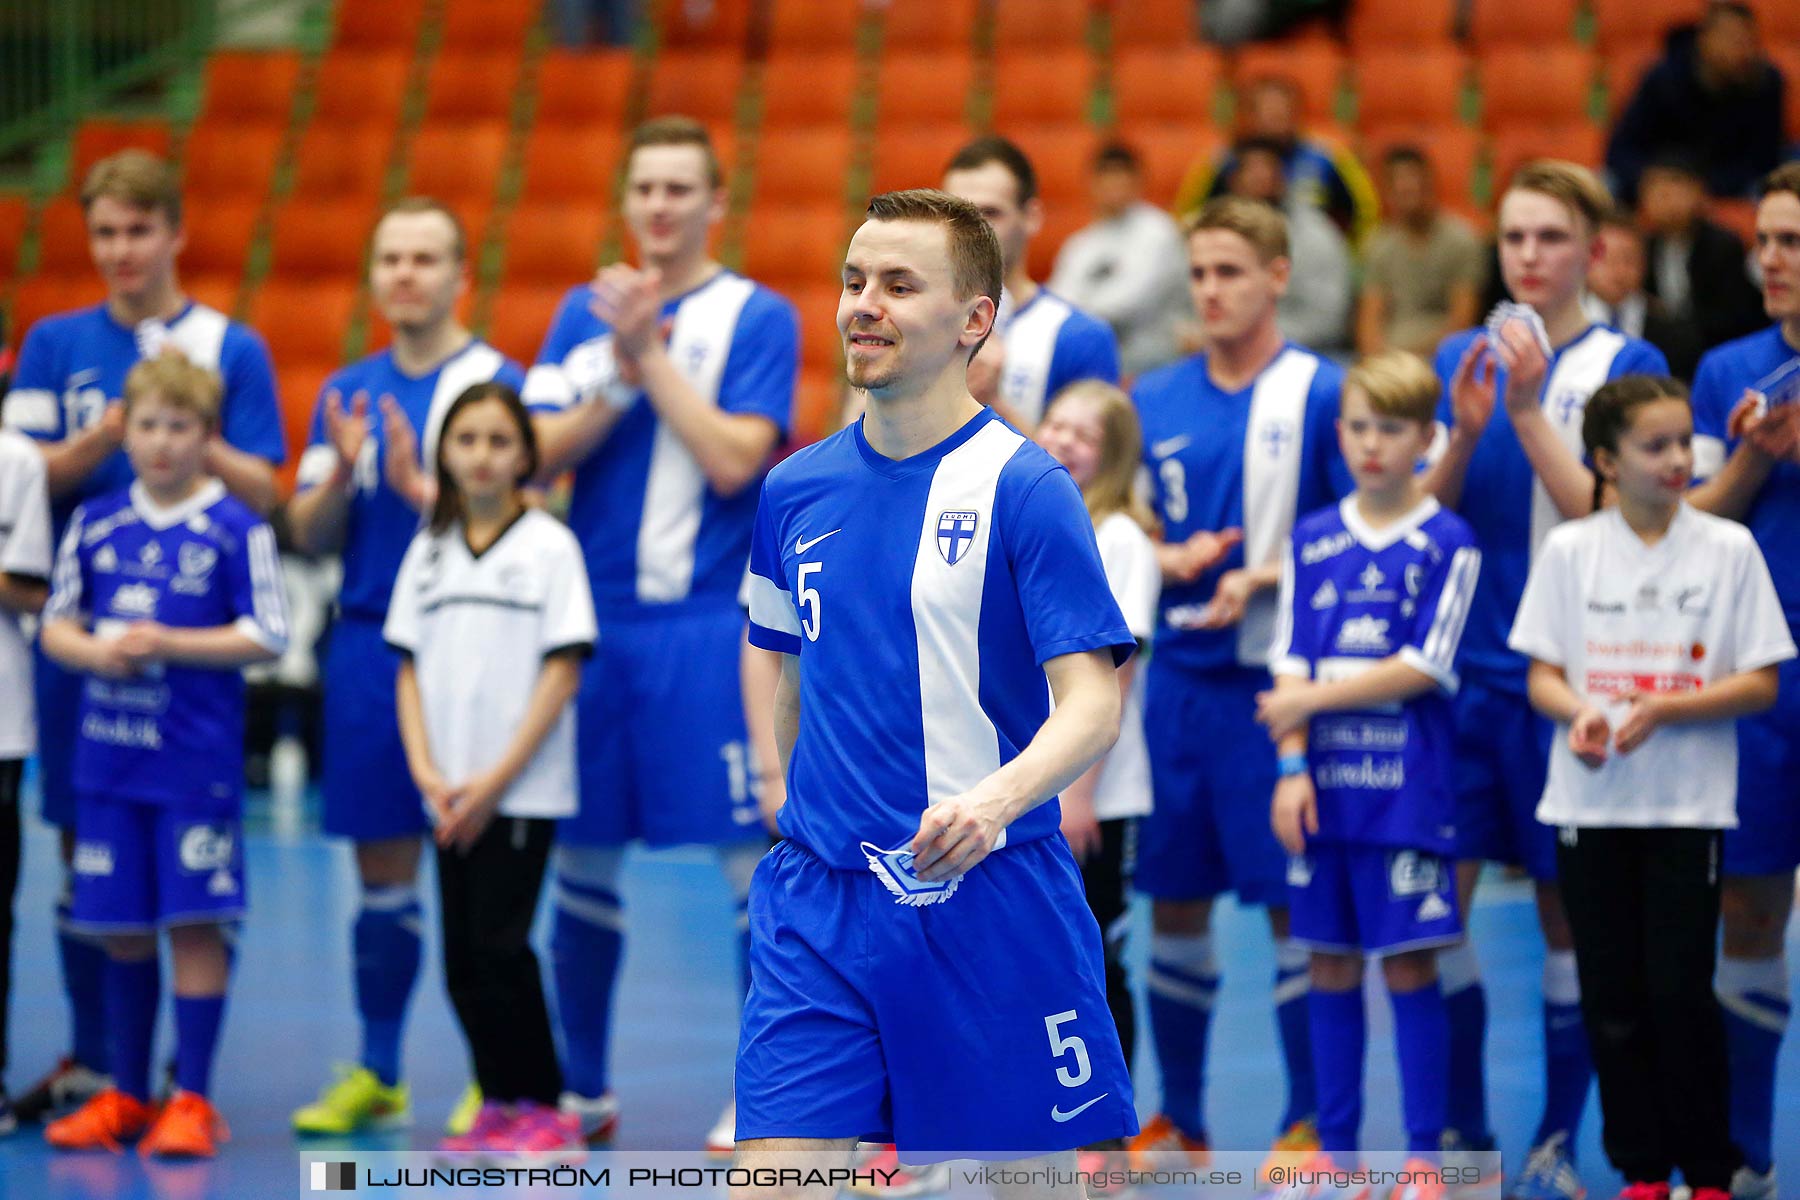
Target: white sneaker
1753	1185
721	1139
599	1116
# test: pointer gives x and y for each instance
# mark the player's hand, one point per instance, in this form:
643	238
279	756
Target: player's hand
1472	387
105	659
630	302
1079	824
1285	710
986	371
1589	734
1294	812
476	802
1773	434
347	429
1203	551
401	466
112	423
771	794
1526	365
1230	598
141	643
1648	712
440	798
956	835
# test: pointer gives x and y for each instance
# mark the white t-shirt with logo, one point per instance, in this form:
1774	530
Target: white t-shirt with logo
1619	617
1129	558
477	628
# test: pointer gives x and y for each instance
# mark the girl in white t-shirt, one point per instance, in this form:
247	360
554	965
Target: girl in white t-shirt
1091	428
1651	627
492	613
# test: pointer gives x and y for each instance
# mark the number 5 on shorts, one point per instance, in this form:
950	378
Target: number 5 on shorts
1060	1046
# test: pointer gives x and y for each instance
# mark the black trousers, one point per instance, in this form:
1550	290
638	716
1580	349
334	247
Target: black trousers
488	898
1106	876
11	770
1644	908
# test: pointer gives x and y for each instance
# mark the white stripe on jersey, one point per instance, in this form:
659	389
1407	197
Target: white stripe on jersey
962	747
1030	341
1274	444
477	363
201	335
30	410
675	491
268	595
1709	456
548	384
316	465
770	605
1445	634
1281	642
1577	375
65	584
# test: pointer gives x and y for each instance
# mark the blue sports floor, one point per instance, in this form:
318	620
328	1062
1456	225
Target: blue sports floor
290	1018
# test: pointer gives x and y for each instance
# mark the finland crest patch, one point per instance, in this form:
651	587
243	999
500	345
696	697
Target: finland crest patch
955	533
895	870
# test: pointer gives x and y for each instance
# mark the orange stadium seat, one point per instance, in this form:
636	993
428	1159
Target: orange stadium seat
1054	85
1420	85
792	243
235	160
1514	146
801	165
219	233
318	238
100	137
583	87
576	165
45	295
1169	149
697	83
813	25
809	88
1633	22
552	243
304	320
1041	24
923	87
15	213
715	23
250	85
469	85
1061	155
1175	83
215	289
1625	66
1779	23
818	394
1142	24
458	162
343	161
298	388
390	25
1454	151
488	24
63	239
910	156
948	24
1316	68
522	314
820	344
361	87
1788	59
1535	23
1380	25
1060	220
1548	84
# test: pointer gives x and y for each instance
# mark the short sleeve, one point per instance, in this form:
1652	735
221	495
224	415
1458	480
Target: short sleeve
568	601
401	629
764	361
1442	610
1290	652
1087	349
319	458
1712	404
774	624
1759	629
68	583
1639	358
1067	605
31	406
25	509
1538	628
1332	480
1129	559
258	592
545	387
251	416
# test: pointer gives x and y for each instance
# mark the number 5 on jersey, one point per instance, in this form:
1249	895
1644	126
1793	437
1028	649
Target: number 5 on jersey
1060	1045
811	608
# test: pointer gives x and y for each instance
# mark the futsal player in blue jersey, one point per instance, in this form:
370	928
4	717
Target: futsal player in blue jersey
1513	470
162	592
925	968
1239	440
361	490
1759	485
65	393
1049	343
665	387
1374	593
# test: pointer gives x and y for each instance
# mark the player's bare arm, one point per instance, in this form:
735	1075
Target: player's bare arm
1764	438
22	595
1571	485
317	515
1294	701
249	477
1472	397
68	463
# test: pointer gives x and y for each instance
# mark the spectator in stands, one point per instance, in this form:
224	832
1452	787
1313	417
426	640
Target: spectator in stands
1424	268
1616	296
1315	309
1714	96
1129	268
1697	268
1323	176
597	22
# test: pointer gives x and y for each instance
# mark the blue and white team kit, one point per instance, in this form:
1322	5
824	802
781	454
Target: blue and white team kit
159	764
664	752
1049	345
922	597
1767	838
1378	875
367	791
1251	459
70	367
1502	745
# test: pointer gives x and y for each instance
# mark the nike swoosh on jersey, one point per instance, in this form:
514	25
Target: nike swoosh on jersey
1169	446
84	376
1059	1116
801	545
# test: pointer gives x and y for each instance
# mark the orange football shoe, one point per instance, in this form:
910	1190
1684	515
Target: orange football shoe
1160	1135
102	1123
189	1127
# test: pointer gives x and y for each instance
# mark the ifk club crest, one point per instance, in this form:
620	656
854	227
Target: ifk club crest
956	532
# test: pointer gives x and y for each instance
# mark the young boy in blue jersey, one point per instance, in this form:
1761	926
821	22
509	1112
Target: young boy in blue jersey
162	593
1049	343
1239	440
920	941
1374	592
664	387
65	393
361	489
1759	484
1512	468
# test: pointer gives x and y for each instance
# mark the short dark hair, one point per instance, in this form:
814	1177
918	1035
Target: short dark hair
1785	178
1406	155
995	149
1609	410
1258	144
1719	9
677	131
459	245
449	507
975	268
1118	156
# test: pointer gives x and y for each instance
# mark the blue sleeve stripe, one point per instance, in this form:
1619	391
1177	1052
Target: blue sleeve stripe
762	637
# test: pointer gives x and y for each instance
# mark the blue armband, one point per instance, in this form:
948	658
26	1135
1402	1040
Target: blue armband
1290	764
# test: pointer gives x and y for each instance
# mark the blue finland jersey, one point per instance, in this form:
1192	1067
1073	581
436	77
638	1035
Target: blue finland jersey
1049	345
654	532
74	363
923	597
1502	500
1352	596
1252	459
381	525
1774	515
174	734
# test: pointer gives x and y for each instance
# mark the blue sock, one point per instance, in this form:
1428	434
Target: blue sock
1339	1033
387	939
1292	982
1465	1004
1183	983
1568	1070
132	990
1753	994
587	940
1422	1043
197	1021
84	983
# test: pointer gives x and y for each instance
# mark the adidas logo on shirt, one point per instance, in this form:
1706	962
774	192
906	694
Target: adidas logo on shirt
1326	596
1434	908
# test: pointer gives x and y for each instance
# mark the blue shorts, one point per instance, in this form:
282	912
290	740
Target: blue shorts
977	1026
1212	769
367	790
58	695
1502	758
141	867
660	739
1767	839
1371	899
